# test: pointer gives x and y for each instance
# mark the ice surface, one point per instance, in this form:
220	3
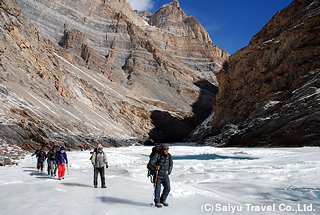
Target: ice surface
237	180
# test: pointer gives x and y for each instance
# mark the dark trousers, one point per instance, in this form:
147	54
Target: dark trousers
165	192
40	165
55	168
95	176
50	167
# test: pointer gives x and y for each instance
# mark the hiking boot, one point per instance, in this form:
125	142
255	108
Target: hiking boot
95	186
104	186
158	205
165	204
59	178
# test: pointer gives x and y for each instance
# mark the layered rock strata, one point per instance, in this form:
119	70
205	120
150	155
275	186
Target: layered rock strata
95	72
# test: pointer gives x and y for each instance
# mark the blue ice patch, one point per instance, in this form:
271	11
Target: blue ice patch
210	157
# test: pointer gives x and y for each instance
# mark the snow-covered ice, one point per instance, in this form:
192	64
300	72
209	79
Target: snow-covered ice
204	180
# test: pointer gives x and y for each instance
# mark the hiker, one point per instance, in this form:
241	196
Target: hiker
61	160
163	164
52	167
37	151
41	156
99	160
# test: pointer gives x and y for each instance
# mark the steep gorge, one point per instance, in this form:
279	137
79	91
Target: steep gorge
269	91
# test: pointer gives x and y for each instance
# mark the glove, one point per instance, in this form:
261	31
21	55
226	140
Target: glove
94	166
107	166
67	162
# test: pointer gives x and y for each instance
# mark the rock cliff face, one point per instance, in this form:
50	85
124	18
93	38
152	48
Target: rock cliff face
269	91
93	71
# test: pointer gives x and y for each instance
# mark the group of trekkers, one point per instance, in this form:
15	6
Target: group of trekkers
56	159
159	168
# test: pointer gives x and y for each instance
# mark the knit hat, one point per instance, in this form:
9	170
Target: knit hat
164	146
62	148
99	146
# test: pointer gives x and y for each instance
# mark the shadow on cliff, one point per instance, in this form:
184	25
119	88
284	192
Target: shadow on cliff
202	108
169	128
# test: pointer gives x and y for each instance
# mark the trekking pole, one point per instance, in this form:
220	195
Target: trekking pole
152	197
154	187
68	168
155	181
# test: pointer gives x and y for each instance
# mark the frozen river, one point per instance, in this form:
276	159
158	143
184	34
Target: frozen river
204	180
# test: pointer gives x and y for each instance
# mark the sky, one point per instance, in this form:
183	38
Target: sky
230	23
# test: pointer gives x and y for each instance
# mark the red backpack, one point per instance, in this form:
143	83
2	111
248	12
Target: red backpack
155	150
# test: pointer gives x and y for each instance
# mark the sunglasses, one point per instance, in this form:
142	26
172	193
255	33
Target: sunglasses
166	149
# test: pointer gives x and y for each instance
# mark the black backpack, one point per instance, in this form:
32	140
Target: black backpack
94	151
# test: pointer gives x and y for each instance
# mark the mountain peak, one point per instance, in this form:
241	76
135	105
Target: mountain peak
176	3
170	17
168	12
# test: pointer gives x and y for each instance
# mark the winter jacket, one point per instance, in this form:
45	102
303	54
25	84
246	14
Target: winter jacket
99	159
165	162
41	156
61	158
51	155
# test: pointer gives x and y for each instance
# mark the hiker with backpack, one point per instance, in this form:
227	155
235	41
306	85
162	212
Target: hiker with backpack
61	160
52	167
161	163
99	160
37	151
41	156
